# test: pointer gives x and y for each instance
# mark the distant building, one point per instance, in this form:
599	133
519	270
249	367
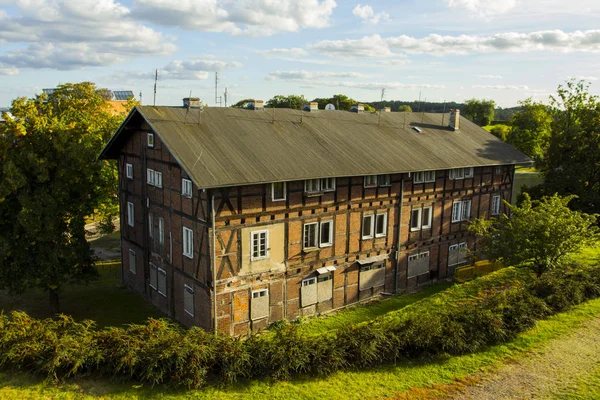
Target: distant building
235	218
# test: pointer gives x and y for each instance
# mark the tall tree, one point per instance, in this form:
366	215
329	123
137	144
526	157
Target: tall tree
480	111
50	180
404	108
538	235
530	128
291	101
572	162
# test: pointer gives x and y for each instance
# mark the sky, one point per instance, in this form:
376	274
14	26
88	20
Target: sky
441	50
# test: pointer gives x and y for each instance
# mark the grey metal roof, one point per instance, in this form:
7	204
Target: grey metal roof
229	146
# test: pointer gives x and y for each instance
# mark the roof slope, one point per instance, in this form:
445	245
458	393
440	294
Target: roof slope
230	146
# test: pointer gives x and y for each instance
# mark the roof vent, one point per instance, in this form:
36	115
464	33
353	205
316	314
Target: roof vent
357	108
454	121
387	109
192	102
417	129
256	105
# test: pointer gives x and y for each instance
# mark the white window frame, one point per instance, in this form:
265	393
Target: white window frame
371	225
154	272
161	273
310	182
129	170
255	236
496	202
305	228
469	172
461	210
427	224
457	246
457	173
329	241
150	225
325	188
150	176
417	220
158	179
188	290
385	221
132	265
188	242
130	214
309	281
283	198
161	230
186	187
260	293
150	140
370	181
384	180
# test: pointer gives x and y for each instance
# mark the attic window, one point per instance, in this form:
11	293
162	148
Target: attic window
151	140
417	129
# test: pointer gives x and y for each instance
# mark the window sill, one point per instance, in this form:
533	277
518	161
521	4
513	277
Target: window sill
371	187
310	249
380	236
259	258
366	237
325	245
189	196
189	313
313	194
276	200
191	257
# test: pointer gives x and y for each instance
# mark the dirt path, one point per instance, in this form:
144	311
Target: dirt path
540	375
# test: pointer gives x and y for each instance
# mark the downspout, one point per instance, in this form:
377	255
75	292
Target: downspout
213	262
399	239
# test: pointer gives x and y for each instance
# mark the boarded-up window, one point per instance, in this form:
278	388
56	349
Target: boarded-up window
418	264
308	292
162	282
324	287
371	275
259	305
457	253
153	276
132	266
188	300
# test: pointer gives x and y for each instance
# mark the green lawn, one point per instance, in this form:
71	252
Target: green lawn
106	301
110	242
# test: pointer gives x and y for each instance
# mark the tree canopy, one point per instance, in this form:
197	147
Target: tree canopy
480	111
291	101
50	181
404	108
539	235
530	128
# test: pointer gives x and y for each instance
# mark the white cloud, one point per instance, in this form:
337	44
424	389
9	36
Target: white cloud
501	87
291	52
483	8
315	75
489	76
379	85
64	34
251	17
9	71
367	14
377	47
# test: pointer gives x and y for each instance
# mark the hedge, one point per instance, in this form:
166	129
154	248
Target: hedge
489	310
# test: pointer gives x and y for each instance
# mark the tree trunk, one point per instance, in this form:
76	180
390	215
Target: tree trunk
54	301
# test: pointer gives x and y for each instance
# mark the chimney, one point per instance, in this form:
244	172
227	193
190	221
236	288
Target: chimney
314	106
259	104
192	102
387	109
454	121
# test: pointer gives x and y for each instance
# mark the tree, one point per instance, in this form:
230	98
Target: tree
50	180
242	103
538	235
480	111
530	129
572	161
340	101
500	131
404	108
291	101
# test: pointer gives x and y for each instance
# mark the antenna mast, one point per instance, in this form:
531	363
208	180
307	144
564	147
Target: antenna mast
140	97
217	97
381	104
155	80
225	96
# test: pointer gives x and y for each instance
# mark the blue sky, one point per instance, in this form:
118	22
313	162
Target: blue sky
448	50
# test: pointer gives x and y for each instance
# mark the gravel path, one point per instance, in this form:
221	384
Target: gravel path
540	375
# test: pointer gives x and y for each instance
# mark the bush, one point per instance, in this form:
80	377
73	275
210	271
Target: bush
491	309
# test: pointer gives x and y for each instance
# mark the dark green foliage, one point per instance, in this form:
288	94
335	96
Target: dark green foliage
480	111
465	318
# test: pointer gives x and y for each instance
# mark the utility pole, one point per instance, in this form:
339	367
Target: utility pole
155	80
225	96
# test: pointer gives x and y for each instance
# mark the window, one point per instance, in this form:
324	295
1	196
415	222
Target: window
384	180
461	210
153	178
188	300
186	187
188	242
257	294
162	282
415	219
367	226
278	191
461	173
418	264
132	266
150	225
312	186
457	253
259	304
260	244
153	276
324	278
496	201
130	214
381	225
309	281
129	170
151	140
161	230
310	235
427	217
158	179
371	275
328	184
498	170
424	176
326	234
370	181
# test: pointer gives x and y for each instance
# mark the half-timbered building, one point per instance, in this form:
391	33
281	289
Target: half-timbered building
235	218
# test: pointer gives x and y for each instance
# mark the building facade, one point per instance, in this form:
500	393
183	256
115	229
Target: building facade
236	257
